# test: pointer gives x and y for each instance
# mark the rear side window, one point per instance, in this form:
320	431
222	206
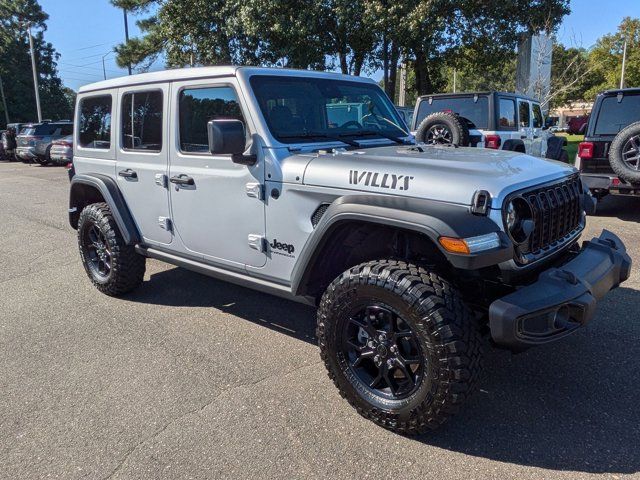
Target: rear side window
95	122
507	114
47	129
142	121
525	116
538	119
614	115
197	107
475	111
67	129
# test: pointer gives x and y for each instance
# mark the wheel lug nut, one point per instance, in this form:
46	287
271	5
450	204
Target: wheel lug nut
393	349
377	360
382	337
390	363
371	344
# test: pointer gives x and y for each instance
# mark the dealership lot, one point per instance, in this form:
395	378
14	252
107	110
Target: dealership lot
190	377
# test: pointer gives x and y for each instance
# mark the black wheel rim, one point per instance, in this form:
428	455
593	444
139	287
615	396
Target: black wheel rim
98	252
383	352
439	134
631	153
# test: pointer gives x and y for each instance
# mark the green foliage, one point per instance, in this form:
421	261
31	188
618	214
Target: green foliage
15	65
356	36
606	58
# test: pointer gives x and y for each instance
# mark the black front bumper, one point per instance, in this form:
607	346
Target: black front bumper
563	299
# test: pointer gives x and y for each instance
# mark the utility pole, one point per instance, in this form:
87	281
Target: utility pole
624	62
126	34
35	72
104	70
455	80
4	102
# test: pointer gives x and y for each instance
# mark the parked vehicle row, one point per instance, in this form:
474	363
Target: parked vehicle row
609	156
43	143
495	120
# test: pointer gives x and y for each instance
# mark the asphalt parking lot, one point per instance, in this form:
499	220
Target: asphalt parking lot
190	377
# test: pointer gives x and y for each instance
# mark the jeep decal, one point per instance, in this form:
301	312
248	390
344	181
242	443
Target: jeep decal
286	248
380	180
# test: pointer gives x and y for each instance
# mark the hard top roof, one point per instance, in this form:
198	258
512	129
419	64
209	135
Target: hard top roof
468	94
207	72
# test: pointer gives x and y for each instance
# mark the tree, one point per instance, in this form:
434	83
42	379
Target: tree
605	59
15	65
354	35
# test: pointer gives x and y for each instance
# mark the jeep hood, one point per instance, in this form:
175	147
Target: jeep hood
437	173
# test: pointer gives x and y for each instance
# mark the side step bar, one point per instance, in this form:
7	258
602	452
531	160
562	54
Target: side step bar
272	288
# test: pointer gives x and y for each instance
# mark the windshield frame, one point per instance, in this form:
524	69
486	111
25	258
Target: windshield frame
313	142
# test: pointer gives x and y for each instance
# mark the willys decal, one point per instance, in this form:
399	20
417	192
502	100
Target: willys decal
379	180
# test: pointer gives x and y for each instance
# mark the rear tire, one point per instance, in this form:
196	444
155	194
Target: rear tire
424	323
112	266
443	128
624	155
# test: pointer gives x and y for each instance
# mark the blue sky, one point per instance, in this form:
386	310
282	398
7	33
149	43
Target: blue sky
84	30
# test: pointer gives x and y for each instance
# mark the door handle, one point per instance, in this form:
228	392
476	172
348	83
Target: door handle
535	136
182	180
523	137
128	173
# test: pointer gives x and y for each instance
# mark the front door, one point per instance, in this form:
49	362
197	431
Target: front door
214	208
142	159
524	119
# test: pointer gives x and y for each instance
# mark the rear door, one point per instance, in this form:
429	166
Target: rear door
507	121
142	159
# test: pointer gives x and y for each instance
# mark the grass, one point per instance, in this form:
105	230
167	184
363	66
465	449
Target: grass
572	145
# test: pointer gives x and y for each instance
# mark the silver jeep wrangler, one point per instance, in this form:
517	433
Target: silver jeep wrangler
308	186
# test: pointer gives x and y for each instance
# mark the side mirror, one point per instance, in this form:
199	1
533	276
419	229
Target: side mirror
227	137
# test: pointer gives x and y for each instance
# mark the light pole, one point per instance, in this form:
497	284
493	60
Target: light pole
4	102
35	73
624	62
126	34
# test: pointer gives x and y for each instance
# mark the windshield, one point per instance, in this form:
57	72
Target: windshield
304	109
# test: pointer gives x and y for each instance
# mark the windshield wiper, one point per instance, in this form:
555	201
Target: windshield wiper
321	135
369	133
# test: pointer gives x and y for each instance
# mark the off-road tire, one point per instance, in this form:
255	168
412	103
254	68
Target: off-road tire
616	160
448	333
458	131
127	267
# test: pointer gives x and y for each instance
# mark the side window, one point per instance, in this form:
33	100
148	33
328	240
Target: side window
525	116
507	114
197	107
538	119
67	129
95	122
142	121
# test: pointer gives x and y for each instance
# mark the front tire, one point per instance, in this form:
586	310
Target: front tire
400	344
112	266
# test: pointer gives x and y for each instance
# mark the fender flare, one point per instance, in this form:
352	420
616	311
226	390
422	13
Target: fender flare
112	196
430	218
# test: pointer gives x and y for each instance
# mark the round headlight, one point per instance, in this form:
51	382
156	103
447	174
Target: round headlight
519	219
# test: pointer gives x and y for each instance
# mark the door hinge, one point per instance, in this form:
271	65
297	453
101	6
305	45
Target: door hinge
162	180
165	223
255	190
257	242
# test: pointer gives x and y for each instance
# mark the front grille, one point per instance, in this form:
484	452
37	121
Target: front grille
557	216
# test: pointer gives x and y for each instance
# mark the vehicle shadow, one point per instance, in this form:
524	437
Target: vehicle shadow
624	208
569	406
178	287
